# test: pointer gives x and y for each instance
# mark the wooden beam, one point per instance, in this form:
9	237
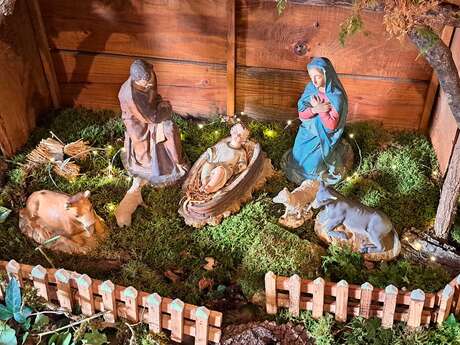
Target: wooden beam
231	57
446	37
44	50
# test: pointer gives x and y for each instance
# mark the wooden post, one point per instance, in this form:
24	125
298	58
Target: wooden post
64	291
389	306
129	296
85	291
231	56
365	300
270	293
341	301
318	298
153	303
107	291
445	304
415	308
294	294
201	326
177	320
14	270
44	51
446	37
40	281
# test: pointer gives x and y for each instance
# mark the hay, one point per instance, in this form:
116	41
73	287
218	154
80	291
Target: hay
78	149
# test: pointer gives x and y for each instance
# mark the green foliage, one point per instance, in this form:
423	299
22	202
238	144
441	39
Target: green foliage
281	6
7	334
63	338
402	273
430	38
447	333
94	338
362	331
321	330
14	307
341	263
352	25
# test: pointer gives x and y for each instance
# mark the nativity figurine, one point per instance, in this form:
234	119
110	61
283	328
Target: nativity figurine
366	230
66	223
152	150
318	152
223	178
297	203
224	160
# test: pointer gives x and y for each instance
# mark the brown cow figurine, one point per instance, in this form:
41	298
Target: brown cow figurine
49	214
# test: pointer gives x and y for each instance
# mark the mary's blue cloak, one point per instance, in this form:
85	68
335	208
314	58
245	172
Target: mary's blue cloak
317	153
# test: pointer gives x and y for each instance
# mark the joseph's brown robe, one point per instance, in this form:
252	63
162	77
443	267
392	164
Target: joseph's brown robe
152	143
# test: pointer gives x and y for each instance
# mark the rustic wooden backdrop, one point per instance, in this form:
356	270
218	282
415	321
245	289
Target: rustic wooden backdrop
93	43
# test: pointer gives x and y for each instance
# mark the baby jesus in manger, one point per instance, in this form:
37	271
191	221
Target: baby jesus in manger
224	160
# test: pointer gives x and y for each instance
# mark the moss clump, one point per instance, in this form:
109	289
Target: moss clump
396	175
254	239
281	252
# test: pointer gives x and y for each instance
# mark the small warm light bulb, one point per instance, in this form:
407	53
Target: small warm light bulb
406	238
432	258
52	159
348	178
289	122
351	135
95	152
216	132
200	126
123	149
393	167
417	246
242	113
109	147
238	120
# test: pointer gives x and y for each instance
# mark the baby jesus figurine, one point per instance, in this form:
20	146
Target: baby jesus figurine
224	160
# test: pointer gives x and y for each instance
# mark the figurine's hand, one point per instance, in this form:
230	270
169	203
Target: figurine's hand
322	108
314	100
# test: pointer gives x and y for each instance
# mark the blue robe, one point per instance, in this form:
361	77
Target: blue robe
317	150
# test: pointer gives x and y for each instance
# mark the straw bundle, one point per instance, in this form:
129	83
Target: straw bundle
48	150
78	149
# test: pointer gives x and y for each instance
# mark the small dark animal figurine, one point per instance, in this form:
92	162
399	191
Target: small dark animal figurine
356	217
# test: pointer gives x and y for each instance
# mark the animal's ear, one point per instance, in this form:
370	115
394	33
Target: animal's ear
86	194
68	205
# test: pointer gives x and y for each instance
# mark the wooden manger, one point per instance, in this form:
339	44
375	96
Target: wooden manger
415	307
71	289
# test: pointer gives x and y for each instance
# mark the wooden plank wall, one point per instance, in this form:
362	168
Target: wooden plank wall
443	130
94	42
24	92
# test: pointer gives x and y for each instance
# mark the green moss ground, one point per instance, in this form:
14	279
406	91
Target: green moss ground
397	173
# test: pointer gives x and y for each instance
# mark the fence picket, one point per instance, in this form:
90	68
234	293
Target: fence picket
129	296
177	320
389	306
445	304
341	301
153	303
457	302
107	291
294	294
64	291
85	291
318	298
202	324
415	308
270	293
14	269
40	281
365	300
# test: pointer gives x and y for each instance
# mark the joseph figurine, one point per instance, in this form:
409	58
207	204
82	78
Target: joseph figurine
153	152
152	142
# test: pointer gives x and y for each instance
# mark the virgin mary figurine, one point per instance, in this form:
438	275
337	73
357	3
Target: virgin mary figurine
317	153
